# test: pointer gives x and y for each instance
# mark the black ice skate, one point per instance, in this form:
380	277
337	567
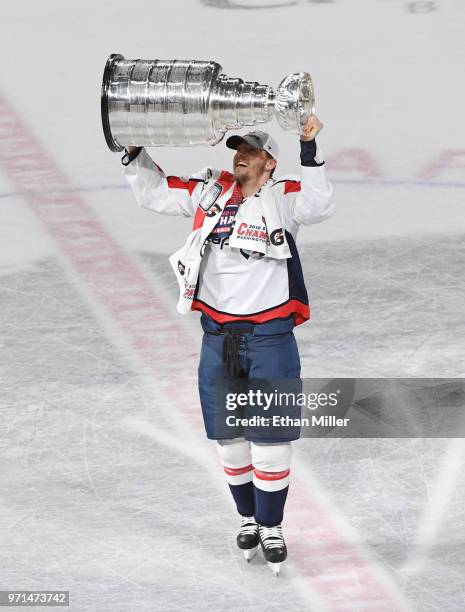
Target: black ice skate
273	546
247	538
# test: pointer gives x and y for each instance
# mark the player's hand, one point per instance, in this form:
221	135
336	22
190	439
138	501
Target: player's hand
311	128
130	149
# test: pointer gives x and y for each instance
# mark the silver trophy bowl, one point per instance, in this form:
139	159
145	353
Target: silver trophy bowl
189	102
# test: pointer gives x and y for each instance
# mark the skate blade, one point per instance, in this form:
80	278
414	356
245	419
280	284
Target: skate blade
274	567
250	553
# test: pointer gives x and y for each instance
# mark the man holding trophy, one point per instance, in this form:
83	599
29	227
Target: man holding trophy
239	266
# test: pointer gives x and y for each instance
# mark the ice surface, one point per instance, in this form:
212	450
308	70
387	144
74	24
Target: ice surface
108	487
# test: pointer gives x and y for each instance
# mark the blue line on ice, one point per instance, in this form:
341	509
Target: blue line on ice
387	182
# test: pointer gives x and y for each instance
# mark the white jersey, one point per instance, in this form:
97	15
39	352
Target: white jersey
237	284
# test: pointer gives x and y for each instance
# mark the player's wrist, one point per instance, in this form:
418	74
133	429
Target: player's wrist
309	154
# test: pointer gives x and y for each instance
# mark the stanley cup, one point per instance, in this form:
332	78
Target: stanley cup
185	103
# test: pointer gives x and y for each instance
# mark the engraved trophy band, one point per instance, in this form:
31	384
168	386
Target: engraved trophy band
190	102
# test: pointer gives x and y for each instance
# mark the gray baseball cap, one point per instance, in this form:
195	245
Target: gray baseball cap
258	140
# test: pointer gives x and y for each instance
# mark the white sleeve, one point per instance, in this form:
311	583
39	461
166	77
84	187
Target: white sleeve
313	203
170	195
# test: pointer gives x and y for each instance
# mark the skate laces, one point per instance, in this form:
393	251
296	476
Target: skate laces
272	537
248	526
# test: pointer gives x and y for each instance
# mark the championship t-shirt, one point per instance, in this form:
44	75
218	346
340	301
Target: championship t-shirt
236	281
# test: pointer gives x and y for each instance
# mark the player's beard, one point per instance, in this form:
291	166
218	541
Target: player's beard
249	174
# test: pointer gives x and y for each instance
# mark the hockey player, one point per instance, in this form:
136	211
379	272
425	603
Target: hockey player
240	268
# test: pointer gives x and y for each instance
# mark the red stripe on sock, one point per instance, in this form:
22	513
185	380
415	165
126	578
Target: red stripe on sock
238	471
271	475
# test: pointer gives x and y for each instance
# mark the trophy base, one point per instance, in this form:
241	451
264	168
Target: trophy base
113	145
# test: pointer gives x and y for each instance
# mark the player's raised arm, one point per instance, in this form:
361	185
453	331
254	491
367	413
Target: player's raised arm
171	195
313	203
